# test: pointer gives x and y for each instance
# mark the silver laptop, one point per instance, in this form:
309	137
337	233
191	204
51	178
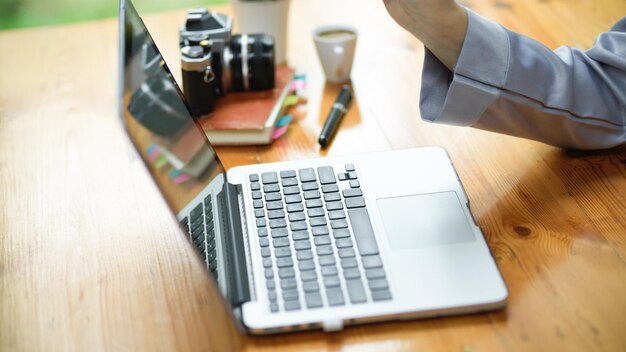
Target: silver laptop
308	244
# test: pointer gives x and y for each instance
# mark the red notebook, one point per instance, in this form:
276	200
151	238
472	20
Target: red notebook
246	118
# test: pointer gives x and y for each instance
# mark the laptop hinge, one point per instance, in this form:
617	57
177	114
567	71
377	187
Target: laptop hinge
234	246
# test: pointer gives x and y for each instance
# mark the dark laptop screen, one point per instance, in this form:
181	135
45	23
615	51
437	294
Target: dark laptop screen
174	148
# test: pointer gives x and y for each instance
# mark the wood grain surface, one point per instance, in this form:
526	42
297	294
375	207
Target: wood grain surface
90	257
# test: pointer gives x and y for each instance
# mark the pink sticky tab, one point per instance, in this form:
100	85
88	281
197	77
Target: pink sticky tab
153	153
298	85
181	179
279	132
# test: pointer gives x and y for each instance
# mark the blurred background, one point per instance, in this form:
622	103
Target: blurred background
33	13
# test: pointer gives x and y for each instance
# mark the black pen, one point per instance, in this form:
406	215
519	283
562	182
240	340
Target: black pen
340	108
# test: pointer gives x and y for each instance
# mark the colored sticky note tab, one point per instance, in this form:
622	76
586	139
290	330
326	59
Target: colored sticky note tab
153	152
284	121
182	178
291	100
160	161
298	85
175	173
279	132
300	76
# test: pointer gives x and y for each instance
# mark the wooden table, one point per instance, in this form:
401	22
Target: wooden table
90	259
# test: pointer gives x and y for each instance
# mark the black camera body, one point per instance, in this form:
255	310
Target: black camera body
215	62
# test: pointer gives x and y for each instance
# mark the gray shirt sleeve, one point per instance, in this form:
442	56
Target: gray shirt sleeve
509	83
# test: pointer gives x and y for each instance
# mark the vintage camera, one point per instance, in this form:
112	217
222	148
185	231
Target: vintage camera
215	62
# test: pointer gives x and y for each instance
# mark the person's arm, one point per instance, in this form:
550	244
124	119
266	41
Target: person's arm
505	82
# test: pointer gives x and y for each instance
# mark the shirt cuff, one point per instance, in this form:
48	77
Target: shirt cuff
461	97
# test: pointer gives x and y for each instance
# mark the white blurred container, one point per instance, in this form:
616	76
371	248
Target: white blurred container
264	16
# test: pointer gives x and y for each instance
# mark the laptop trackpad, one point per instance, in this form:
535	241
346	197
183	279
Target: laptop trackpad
425	220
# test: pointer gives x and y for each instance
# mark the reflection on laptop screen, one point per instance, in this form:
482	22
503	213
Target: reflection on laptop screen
175	150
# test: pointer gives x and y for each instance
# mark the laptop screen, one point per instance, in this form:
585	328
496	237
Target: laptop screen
158	121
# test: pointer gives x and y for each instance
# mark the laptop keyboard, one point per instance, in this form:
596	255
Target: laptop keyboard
316	238
201	228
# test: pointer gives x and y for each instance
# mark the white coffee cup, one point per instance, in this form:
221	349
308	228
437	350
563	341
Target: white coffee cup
335	47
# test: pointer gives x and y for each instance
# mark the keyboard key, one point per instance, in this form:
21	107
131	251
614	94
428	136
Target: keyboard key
352	175
352	192
300	245
269	197
363	231
336	224
335	296
312	194
330	188
316	212
342	176
304	255
336	214
298	225
276	223
269	177
381	296
259	213
264	241
285	273
257	195
352	274
307	175
289	182
329	270
300	235
292	305
320	231
282	252
330	206
322	240
341	233
287	284
349	167
271	188
343	243
260	222
284	262
288	173
196	212
313	300
309	275
356	292
311	286
266	252
296	207
378	273
354	184
276	214
297	216
349	263
257	204
326	174
372	261
327	260
294	198
378	284
356	202
313	203
272	296
346	253
255	186
291	190
332	281
269	274
306	265
274	205
280	242
267	262
290	295
332	197
253	177
280	232
270	284
309	186
324	250
321	221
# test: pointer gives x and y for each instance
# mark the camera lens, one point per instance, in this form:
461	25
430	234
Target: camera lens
252	62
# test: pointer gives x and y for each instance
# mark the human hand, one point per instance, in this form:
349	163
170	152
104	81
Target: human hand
440	24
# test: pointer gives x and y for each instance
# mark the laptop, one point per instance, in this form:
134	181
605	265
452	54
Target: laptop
308	244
